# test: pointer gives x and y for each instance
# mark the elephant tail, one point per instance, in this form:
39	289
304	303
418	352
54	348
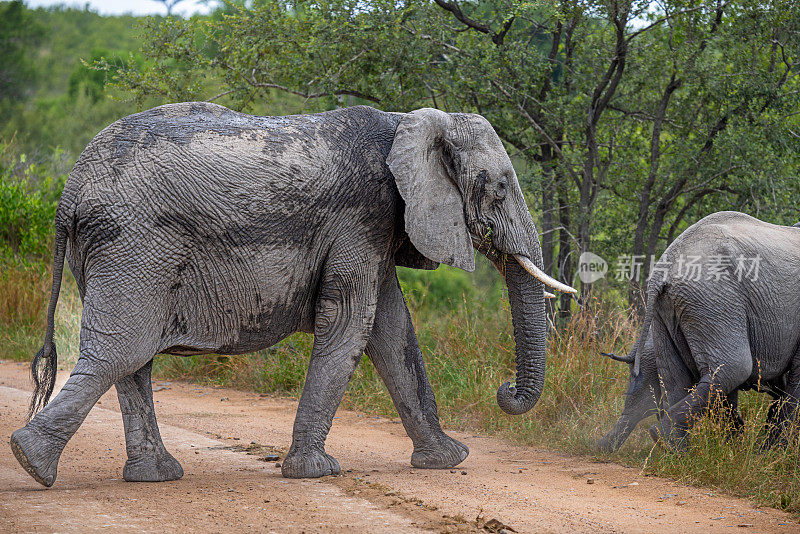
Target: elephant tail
45	363
655	285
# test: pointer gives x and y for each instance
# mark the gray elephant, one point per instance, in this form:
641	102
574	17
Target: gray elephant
193	229
646	397
721	317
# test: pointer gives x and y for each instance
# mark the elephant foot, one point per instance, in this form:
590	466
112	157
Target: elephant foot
152	468
309	464
33	454
607	444
443	453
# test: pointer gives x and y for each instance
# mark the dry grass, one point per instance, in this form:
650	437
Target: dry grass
24	291
468	350
24	294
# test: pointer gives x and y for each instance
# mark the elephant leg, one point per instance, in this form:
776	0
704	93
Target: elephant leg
104	359
675	377
731	418
344	314
681	416
148	460
782	415
674	426
718	344
394	351
772	412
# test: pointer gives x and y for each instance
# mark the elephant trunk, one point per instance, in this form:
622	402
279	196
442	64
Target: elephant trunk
526	296
641	400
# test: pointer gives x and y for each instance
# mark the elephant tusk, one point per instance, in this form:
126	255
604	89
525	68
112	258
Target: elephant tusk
623	359
549	295
540	275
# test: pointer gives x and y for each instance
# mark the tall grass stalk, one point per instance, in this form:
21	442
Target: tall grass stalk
24	291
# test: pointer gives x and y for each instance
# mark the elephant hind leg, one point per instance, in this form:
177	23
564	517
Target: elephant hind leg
394	351
782	418
673	427
108	353
715	343
148	459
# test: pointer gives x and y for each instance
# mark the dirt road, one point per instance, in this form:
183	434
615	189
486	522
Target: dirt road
222	436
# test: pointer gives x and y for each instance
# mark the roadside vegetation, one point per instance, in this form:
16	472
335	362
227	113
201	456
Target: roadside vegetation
58	103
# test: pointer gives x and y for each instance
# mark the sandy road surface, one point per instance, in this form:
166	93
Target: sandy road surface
221	437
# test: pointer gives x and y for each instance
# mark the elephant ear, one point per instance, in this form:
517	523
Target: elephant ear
425	165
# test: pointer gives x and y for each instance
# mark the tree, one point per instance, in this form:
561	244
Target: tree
19	34
716	118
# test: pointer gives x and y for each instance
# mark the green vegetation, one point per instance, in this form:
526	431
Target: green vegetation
59	102
692	108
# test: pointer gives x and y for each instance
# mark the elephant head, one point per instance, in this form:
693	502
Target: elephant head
461	191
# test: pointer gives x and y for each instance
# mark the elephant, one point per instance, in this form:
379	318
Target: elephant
192	229
645	397
721	317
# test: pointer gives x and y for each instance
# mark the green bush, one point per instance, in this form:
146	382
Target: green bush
25	220
439	289
29	195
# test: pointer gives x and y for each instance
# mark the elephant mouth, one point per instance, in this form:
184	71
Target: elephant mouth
485	246
499	258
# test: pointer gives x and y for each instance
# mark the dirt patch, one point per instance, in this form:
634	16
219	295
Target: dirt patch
265	453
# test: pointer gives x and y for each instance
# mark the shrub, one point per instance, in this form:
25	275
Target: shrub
28	198
435	289
29	195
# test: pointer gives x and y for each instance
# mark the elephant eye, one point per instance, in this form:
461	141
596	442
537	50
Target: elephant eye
502	187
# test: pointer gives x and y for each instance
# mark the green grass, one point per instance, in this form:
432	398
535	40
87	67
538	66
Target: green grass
468	351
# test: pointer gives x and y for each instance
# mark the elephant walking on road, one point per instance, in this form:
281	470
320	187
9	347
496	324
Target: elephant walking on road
193	229
723	315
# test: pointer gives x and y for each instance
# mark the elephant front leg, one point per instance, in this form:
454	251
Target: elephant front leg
344	315
148	460
394	351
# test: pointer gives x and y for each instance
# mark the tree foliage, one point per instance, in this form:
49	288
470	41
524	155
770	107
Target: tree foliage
18	34
64	103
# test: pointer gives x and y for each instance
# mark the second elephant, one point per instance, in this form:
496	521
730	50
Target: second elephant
723	315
